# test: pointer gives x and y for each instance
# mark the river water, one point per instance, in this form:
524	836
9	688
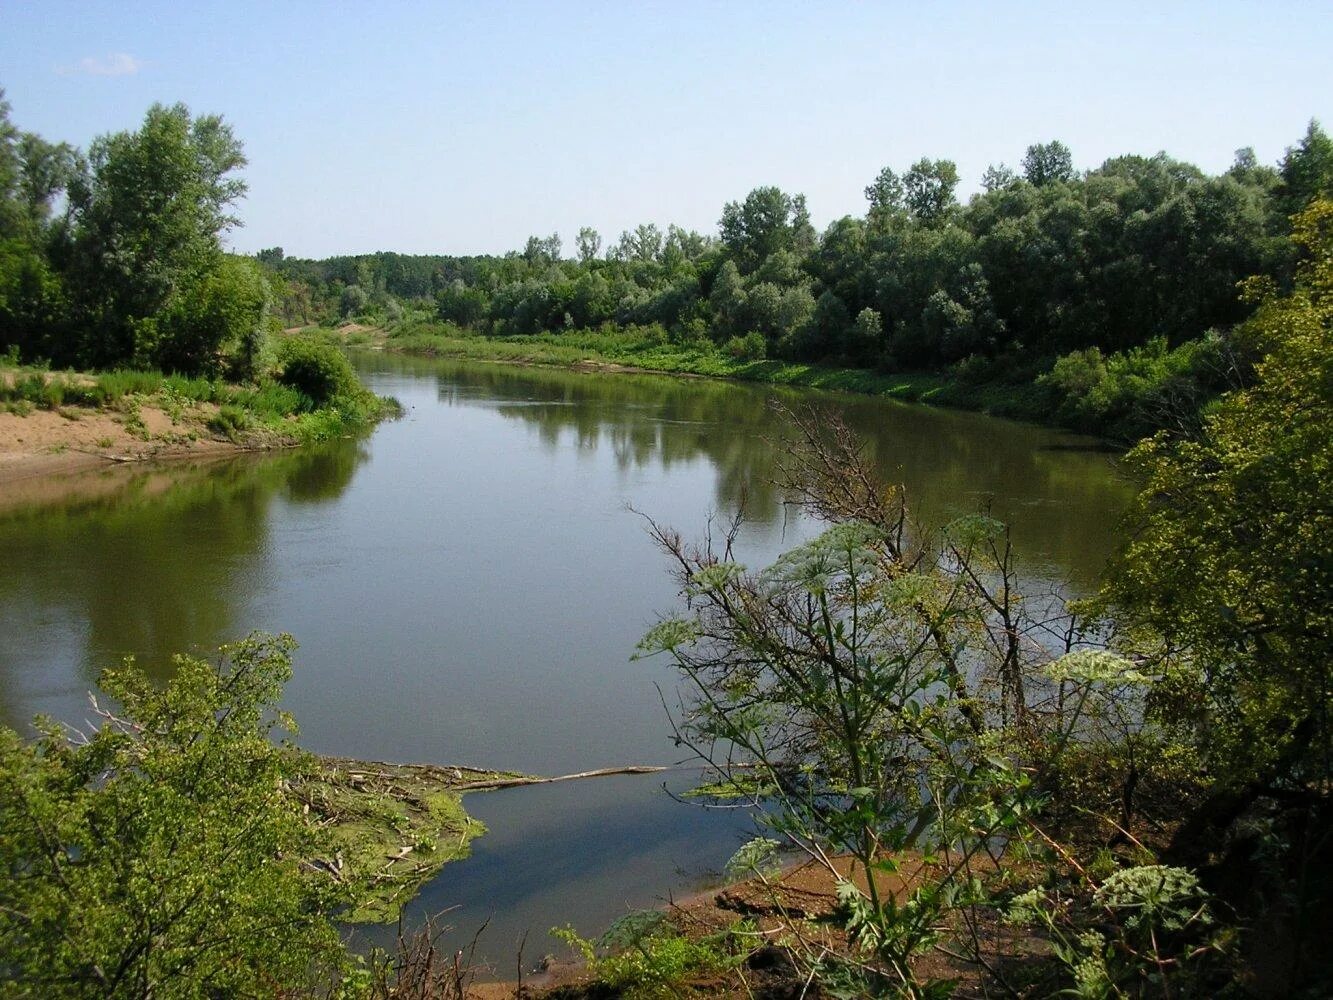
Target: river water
468	584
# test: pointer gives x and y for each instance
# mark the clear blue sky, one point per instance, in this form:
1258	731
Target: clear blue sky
465	127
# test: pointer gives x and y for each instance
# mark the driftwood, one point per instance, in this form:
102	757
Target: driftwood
601	772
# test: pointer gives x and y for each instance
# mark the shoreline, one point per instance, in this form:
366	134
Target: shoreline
48	454
999	401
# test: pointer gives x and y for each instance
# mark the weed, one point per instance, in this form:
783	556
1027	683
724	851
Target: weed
644	957
174	402
133	410
115	385
231	421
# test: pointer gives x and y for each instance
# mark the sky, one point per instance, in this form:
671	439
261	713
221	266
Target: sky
466	127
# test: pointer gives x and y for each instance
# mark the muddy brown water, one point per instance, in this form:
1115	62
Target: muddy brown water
468	584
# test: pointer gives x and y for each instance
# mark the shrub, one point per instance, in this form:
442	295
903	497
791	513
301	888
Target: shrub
231	421
320	372
751	347
158	855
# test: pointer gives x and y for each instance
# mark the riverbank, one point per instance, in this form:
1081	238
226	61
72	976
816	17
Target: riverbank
641	350
65	423
753	937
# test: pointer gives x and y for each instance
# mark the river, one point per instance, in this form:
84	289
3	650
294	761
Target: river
468	584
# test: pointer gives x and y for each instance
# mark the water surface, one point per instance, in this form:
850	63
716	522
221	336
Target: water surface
468	583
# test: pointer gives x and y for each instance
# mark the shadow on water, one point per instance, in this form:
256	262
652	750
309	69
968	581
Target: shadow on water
144	562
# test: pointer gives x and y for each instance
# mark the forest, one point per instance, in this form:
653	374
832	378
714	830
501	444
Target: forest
1106	297
112	259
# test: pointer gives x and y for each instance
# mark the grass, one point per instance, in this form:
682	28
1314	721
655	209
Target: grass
266	411
651	349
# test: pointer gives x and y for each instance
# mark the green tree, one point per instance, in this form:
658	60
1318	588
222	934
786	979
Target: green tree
589	243
928	189
1307	170
541	252
147	220
881	688
1230	561
886	197
643	244
865	337
729	299
1047	163
767	221
998	177
159	854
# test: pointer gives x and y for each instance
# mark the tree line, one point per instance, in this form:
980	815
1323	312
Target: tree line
1128	272
112	256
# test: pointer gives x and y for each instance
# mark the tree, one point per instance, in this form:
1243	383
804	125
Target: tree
729	299
642	244
767	221
684	244
541	252
1230	563
457	303
33	172
147	217
1307	170
1048	163
865	337
886	193
882	688
225	307
998	177
928	189
589	244
159	854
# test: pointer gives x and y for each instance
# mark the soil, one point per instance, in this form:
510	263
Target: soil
797	912
49	455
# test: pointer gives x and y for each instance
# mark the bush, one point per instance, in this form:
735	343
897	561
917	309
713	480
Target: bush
643	957
320	372
230	421
1130	394
751	347
158	855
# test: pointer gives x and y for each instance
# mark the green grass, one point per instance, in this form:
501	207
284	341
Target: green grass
649	348
393	826
268	409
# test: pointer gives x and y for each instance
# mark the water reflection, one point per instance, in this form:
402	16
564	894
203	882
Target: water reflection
1060	494
142	562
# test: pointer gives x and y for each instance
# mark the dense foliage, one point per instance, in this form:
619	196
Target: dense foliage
1151	768
1230	563
1127	273
158	854
114	257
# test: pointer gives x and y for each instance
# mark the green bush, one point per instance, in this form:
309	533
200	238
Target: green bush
751	347
158	854
320	372
1129	394
113	385
643	957
231	421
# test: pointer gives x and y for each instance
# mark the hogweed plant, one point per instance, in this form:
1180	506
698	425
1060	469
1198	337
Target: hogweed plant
886	693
